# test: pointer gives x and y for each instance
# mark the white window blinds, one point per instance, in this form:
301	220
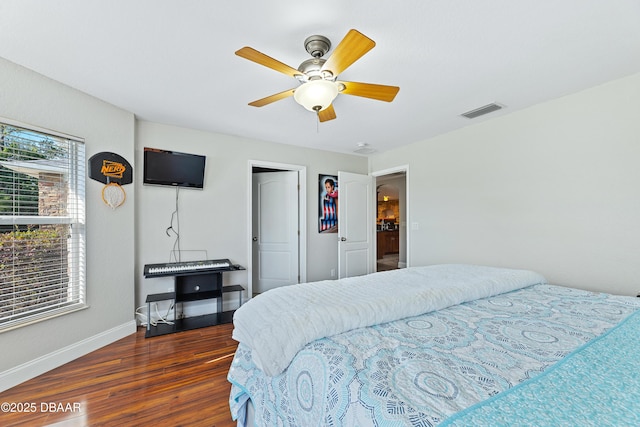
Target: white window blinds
42	224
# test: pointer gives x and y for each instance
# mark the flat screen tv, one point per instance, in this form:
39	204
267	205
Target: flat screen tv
163	167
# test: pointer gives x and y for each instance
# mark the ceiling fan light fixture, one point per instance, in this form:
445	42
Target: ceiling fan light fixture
318	76
316	95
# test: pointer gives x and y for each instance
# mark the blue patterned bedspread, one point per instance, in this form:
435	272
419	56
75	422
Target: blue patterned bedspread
598	384
422	370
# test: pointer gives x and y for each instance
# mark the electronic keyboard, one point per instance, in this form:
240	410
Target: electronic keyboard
188	267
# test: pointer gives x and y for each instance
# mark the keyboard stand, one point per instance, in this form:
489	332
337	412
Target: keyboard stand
190	287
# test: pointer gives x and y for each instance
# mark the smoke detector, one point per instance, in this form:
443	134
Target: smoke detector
363	148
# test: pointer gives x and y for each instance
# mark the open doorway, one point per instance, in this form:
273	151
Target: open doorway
391	219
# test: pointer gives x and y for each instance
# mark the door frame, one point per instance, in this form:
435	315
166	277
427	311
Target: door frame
407	235
302	217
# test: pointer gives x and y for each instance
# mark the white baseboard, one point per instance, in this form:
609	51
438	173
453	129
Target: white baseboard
26	371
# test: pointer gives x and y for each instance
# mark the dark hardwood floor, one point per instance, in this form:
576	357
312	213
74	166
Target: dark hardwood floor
171	380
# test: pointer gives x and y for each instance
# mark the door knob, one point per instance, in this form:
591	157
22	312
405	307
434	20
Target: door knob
343	239
255	239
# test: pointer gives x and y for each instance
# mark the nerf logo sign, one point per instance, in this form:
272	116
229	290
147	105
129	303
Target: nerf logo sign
107	168
112	169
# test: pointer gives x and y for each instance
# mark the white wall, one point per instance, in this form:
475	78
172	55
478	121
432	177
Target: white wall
215	219
553	188
28	351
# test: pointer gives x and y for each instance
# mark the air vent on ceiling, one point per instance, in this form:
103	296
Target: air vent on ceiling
489	108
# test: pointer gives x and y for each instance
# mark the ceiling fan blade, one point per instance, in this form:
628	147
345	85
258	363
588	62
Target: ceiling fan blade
260	58
327	114
273	98
352	47
369	90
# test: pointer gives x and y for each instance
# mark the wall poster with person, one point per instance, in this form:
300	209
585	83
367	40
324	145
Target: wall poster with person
328	204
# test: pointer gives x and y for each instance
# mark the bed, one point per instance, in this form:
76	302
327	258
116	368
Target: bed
448	345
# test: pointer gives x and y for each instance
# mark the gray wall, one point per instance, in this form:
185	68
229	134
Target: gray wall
33	99
215	219
552	188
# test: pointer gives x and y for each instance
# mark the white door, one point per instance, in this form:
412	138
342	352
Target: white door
356	230
275	230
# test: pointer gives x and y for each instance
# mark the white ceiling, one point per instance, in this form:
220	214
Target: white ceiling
173	61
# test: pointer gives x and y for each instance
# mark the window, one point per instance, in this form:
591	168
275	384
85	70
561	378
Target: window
42	224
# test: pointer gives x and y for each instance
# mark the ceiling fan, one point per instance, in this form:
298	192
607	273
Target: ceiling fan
318	77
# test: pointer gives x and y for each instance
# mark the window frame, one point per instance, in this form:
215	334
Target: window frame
76	240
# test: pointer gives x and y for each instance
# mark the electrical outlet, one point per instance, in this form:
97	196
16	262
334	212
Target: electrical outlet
333	272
